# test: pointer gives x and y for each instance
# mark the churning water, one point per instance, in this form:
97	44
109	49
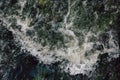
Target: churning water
55	31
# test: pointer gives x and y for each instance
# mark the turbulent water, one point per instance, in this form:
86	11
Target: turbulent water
58	30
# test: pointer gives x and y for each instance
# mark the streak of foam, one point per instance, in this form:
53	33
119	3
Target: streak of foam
22	3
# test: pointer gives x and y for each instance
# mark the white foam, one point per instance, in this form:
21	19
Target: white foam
22	4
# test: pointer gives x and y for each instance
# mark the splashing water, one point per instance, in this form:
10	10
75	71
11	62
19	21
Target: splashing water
80	57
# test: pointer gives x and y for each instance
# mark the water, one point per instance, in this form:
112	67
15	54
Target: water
80	50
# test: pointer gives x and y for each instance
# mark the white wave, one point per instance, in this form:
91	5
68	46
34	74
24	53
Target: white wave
74	53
